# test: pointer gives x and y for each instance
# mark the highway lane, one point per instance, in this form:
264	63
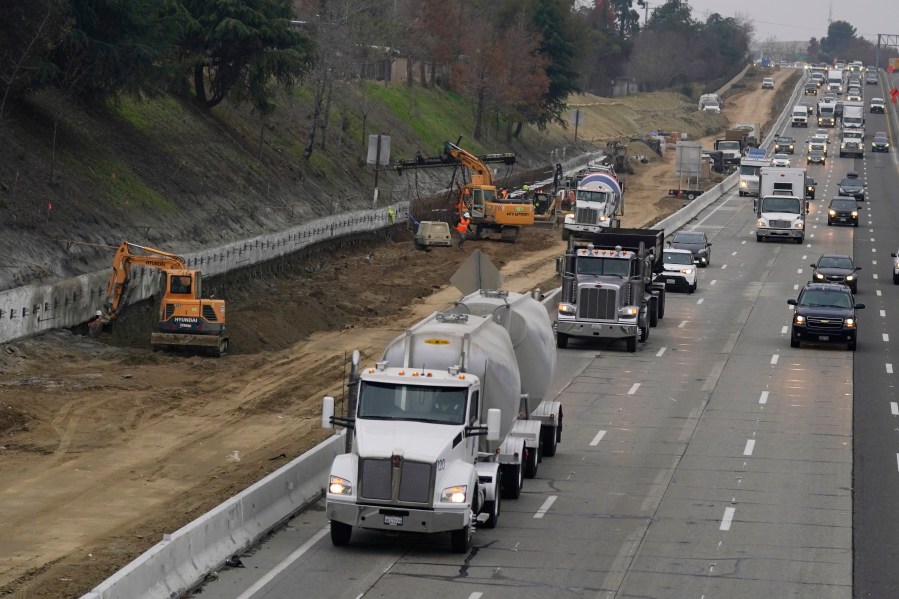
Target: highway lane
714	462
876	428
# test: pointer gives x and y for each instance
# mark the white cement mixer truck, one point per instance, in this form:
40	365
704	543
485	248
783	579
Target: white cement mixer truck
448	422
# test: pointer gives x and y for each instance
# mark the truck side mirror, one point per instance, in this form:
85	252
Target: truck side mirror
494	418
327	412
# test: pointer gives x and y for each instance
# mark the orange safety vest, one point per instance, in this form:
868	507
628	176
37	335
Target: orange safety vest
462	227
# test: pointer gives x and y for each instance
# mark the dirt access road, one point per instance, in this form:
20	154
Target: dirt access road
105	448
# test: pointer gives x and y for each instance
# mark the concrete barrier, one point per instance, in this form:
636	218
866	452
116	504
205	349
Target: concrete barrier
183	559
34	309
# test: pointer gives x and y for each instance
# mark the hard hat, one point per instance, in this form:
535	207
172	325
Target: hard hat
525	188
467	215
98	313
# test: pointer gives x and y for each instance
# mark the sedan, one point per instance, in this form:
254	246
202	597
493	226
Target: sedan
877	106
825	312
842	211
880	143
895	256
871	79
781	160
696	242
852	186
836	268
817	154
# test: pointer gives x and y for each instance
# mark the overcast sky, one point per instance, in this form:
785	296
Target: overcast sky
790	20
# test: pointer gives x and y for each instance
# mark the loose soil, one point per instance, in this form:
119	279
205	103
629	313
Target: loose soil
104	447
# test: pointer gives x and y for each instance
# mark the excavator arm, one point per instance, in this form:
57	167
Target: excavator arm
124	259
453	155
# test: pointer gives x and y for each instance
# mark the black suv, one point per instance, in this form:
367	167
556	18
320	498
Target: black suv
836	268
881	142
842	210
825	312
696	242
784	145
811	88
851	185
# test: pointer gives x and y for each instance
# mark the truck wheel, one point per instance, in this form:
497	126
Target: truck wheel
759	238
561	340
549	439
851	345
492	509
532	461
644	334
654	312
895	279
632	344
340	533
662	295
512	479
794	342
691	196
461	540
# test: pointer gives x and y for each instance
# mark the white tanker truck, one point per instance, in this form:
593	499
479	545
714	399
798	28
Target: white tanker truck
446	422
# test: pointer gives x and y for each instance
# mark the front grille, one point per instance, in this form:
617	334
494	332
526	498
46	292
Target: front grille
414	484
586	216
825	323
597	304
835	278
209	314
780	224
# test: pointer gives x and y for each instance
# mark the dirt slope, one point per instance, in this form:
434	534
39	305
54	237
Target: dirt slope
105	448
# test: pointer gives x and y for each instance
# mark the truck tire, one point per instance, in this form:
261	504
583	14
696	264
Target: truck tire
532	461
549	439
491	508
662	295
512	479
632	344
340	533
654	311
644	334
794	342
759	238
691	196
561	340
461	540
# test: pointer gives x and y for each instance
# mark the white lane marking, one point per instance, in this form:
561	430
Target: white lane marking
763	398
874	262
660	352
808	245
795	287
894	408
750	446
872	240
682	324
774	359
700	300
873	250
476	596
733	253
288	561
546	505
870	230
875	276
744	242
897	460
729	514
723	266
783	330
633	388
878	293
597	438
798	271
886	338
883	313
805	257
713	281
889	368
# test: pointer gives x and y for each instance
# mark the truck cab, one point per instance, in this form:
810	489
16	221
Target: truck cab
597	203
749	171
852	143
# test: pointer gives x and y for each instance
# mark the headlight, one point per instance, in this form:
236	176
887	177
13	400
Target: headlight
761	223
798	224
454	494
629	312
340	486
850	278
849	323
819	276
566	309
854	214
833	213
799	319
687	271
744	183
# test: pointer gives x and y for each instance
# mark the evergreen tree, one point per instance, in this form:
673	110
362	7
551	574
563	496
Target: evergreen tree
551	20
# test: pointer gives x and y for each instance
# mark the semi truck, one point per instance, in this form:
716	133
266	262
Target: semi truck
749	171
597	203
450	420
732	150
781	206
611	286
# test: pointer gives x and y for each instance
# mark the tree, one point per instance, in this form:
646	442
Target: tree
674	15
551	21
241	47
839	33
814	51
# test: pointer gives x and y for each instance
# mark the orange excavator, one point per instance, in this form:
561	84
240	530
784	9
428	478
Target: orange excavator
489	212
186	319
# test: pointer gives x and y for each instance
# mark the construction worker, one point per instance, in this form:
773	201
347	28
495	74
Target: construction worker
462	228
391	214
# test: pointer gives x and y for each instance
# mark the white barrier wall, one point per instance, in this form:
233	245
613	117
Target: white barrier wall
33	309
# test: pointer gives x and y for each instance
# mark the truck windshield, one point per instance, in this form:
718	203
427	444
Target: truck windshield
787	205
728	145
603	266
593	196
385	401
745	169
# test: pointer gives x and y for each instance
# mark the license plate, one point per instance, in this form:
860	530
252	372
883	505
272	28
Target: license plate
393	520
823	338
672	281
596	327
